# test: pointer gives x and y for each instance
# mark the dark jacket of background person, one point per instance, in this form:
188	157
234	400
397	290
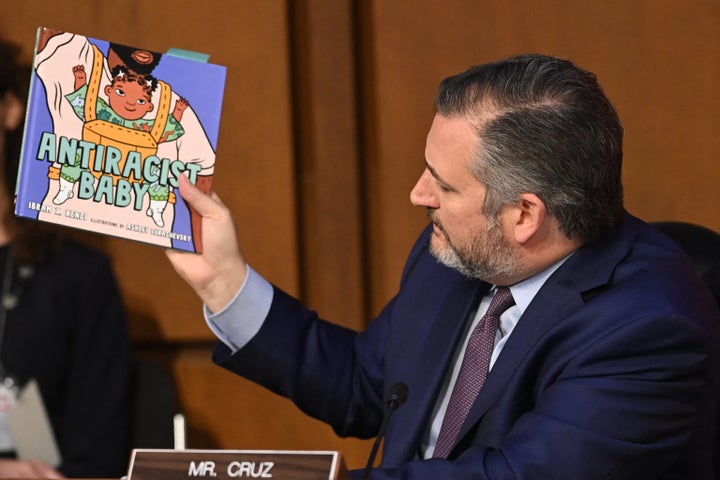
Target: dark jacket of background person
66	325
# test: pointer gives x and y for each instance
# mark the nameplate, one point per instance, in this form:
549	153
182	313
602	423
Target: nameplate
159	464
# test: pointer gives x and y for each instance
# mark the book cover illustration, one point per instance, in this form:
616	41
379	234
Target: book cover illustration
109	128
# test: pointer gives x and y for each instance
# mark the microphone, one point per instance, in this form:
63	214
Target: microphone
393	400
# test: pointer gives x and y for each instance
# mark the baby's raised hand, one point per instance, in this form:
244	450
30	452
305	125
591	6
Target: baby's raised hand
79	72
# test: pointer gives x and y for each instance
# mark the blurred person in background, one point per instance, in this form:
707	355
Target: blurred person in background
62	324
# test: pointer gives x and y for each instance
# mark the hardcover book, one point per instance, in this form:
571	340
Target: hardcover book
109	129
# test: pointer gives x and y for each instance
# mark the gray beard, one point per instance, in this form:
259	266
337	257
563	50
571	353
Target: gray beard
489	256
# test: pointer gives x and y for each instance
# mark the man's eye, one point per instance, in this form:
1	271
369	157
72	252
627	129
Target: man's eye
442	186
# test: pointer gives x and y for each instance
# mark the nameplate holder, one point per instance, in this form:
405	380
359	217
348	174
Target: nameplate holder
190	464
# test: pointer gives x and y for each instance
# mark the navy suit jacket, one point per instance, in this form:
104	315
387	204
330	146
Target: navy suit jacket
612	372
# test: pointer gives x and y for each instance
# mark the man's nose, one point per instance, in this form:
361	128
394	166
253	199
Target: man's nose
422	194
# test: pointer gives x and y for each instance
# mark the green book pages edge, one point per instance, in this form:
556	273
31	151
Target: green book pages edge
196	56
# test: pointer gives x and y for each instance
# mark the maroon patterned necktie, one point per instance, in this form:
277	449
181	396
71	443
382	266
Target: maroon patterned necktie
473	371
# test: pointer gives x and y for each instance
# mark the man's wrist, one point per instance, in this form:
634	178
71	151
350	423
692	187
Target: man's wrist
224	287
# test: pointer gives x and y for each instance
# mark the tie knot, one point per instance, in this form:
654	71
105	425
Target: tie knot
502	300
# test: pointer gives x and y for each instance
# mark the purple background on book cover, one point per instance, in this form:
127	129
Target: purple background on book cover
178	72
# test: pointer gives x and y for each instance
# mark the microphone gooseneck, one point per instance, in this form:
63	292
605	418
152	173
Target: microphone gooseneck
395	398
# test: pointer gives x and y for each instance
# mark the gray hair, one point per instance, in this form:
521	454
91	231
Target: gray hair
545	127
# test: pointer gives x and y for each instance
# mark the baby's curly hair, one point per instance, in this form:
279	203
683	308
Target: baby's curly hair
147	81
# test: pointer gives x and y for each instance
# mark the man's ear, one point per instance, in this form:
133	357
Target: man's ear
529	213
12	111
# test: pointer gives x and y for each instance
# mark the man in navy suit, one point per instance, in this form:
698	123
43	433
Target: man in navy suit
605	367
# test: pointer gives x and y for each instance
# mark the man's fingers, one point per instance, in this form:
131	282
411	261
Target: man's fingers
204	204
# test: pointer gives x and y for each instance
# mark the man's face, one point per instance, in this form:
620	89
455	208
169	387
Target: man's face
463	238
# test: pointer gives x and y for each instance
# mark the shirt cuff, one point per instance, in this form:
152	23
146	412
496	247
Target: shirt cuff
241	319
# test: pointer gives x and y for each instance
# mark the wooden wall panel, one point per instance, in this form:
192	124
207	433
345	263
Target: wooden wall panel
326	132
658	60
329	196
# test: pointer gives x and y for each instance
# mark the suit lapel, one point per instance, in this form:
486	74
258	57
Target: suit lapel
433	363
